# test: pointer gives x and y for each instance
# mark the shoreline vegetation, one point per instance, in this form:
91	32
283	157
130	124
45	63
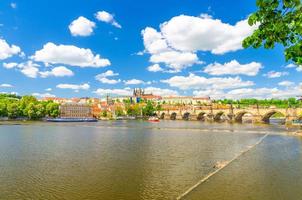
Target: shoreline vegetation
13	107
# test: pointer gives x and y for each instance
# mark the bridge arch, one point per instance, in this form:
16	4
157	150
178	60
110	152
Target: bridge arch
162	115
186	116
173	116
218	116
266	117
201	116
239	116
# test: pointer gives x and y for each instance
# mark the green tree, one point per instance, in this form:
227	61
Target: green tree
52	109
12	110
3	109
278	21
119	111
133	110
149	109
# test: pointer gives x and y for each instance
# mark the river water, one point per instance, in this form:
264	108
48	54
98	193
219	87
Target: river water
132	160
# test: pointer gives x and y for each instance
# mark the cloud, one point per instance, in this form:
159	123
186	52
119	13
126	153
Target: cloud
29	69
291	65
258	93
107	18
176	60
199	82
103	77
69	55
298	67
274	74
161	91
134	82
108	73
7	51
42	95
84	86
128	91
108	81
154	68
286	83
81	27
180	38
115	92
233	68
10	65
60	71
6	85
48	89
189	33
160	52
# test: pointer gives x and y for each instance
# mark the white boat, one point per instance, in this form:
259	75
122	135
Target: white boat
297	122
153	119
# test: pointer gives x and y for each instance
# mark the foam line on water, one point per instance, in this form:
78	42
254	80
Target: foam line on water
219	169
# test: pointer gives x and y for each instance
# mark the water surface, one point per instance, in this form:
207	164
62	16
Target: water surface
122	159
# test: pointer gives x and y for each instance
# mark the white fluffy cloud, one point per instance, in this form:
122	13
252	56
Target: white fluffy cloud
115	92
42	95
286	83
161	91
10	65
155	68
233	68
107	18
274	74
199	82
84	86
7	50
29	69
134	82
128	91
103	77
160	52
60	71
298	67
258	93
108	73
81	27
189	33
69	55
182	36
109	81
6	85
176	60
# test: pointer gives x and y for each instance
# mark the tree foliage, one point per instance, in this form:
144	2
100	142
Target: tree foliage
278	21
13	107
280	103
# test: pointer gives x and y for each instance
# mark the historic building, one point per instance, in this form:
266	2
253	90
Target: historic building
71	110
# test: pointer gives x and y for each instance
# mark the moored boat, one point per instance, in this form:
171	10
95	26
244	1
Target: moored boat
297	122
71	120
153	119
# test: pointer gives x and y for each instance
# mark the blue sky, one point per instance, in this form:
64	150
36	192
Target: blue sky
93	48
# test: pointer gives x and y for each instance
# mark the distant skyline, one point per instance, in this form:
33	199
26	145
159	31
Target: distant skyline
92	48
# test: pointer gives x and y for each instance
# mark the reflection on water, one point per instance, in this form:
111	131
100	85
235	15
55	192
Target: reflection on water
116	160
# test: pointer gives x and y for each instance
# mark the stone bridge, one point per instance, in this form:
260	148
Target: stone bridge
231	114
